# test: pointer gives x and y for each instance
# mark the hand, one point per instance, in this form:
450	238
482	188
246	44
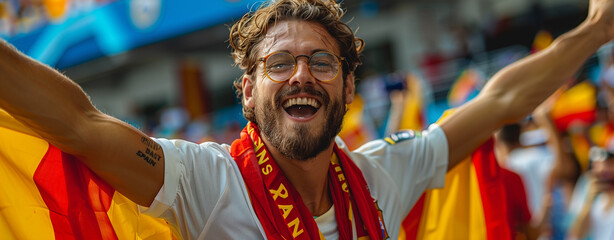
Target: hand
594	188
397	98
413	84
601	13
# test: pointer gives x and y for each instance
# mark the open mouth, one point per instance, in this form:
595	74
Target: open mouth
301	107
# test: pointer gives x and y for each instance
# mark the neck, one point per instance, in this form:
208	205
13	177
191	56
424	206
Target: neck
309	177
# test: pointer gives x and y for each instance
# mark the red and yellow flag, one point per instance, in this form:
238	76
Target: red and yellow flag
577	105
470	206
48	194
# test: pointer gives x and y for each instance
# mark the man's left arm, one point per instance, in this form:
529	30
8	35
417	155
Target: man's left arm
517	89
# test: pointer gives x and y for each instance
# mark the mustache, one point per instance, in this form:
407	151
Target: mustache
295	89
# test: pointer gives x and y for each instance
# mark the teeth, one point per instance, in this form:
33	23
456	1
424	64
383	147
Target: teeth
302	101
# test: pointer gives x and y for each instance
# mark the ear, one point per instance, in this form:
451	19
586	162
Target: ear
349	88
248	91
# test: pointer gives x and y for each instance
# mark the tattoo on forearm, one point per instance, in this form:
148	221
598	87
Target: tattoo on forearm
150	143
150	155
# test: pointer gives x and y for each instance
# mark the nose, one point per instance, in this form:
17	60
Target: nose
303	74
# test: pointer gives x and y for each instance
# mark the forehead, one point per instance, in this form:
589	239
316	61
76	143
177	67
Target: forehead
297	37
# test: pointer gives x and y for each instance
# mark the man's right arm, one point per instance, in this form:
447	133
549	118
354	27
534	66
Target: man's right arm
61	113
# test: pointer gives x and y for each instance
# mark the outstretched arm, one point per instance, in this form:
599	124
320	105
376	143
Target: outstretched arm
58	110
517	89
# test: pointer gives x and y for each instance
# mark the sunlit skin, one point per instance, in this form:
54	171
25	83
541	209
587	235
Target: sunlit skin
299	38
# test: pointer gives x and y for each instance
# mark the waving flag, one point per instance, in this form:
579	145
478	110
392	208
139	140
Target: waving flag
466	87
470	206
48	194
577	105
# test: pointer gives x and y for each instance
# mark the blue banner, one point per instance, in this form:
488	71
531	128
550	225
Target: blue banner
117	26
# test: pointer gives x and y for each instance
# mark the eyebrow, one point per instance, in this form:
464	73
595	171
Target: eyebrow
319	50
312	52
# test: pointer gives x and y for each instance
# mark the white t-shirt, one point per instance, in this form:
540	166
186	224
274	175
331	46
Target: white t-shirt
204	196
602	219
534	165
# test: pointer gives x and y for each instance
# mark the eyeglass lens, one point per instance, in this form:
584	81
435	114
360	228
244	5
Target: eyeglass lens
281	66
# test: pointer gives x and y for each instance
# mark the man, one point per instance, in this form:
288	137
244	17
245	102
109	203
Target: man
596	216
519	217
288	168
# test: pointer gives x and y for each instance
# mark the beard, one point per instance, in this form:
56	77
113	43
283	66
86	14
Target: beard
300	142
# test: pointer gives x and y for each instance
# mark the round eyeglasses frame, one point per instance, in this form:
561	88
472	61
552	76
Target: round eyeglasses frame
264	59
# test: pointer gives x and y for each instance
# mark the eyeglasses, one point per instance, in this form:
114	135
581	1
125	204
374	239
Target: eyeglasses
281	66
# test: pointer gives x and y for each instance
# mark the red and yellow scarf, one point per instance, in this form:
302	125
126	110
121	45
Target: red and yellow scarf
279	206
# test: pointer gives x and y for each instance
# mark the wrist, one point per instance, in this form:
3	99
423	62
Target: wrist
599	31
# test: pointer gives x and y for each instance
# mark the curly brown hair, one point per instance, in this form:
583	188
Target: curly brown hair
247	33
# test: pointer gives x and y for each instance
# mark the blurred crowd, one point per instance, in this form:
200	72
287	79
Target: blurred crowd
558	164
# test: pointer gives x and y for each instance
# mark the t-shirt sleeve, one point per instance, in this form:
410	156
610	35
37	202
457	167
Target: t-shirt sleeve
414	161
195	177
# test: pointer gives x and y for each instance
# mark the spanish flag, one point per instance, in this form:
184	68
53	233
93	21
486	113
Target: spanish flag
472	205
577	105
48	194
